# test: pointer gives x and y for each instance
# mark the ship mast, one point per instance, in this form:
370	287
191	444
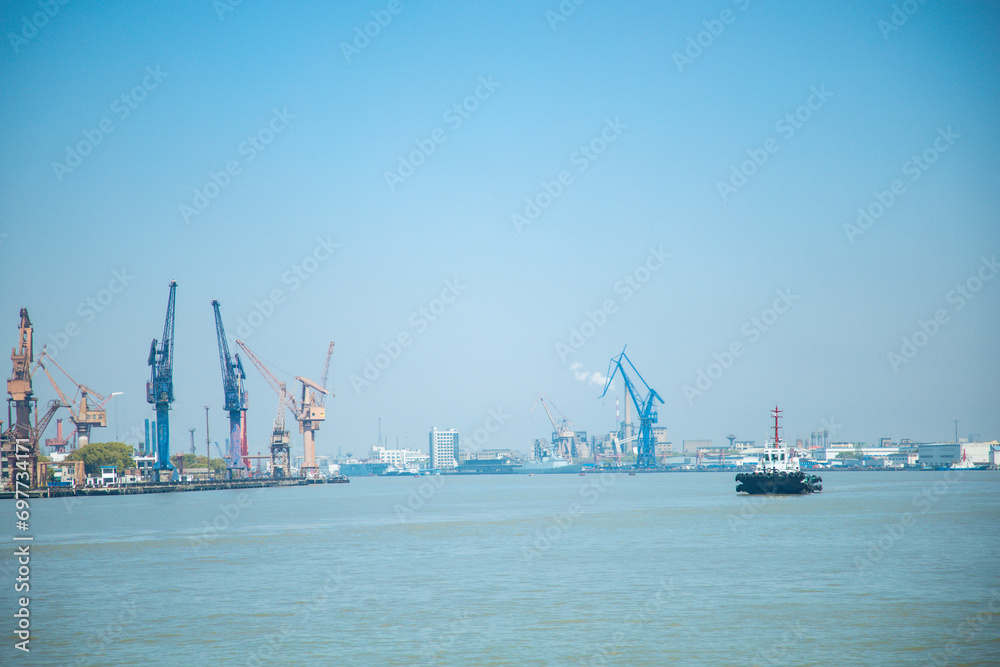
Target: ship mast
776	412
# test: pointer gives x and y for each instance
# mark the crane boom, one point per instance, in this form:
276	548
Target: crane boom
326	372
271	380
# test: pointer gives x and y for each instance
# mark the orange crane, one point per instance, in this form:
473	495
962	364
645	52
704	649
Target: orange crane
82	412
308	412
22	399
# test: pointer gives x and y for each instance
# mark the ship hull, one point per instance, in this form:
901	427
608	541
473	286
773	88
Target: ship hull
778	483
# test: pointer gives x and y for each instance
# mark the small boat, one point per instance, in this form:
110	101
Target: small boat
777	471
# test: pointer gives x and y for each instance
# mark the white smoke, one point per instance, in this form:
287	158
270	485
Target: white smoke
596	378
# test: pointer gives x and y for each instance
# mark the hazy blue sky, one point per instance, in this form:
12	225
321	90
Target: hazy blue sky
694	165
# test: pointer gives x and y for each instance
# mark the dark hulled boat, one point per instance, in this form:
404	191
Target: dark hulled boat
777	471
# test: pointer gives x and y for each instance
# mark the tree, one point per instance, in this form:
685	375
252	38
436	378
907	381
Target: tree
192	461
97	454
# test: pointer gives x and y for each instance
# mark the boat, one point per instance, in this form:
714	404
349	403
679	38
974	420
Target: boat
777	471
548	465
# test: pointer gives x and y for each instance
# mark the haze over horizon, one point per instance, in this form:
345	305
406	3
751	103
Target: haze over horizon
790	205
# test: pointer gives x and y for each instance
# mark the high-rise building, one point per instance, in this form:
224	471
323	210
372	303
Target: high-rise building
444	448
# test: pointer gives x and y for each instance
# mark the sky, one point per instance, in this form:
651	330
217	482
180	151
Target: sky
789	204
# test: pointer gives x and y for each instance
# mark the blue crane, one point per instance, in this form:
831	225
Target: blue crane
160	388
644	406
235	397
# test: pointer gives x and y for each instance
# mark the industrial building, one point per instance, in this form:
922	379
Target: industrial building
443	448
692	446
942	454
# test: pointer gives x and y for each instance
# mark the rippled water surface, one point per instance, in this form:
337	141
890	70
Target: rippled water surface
881	568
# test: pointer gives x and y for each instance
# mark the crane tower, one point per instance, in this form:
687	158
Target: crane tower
160	388
235	398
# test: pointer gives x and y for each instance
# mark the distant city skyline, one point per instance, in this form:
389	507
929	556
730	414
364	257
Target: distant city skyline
791	205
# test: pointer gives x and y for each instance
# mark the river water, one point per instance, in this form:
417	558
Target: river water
886	568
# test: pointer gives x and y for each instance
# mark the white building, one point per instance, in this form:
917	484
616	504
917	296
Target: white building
399	458
831	453
942	454
444	448
904	458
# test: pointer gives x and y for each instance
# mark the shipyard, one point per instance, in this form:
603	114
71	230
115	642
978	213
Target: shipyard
560	333
56	470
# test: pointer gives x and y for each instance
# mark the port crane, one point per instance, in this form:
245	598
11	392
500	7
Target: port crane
563	436
82	412
307	412
235	398
20	401
645	406
280	448
160	388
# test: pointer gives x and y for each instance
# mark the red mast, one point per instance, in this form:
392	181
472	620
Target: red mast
776	412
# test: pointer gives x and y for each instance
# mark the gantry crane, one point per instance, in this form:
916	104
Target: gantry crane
160	388
280	450
563	436
646	457
235	398
84	414
20	401
308	412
